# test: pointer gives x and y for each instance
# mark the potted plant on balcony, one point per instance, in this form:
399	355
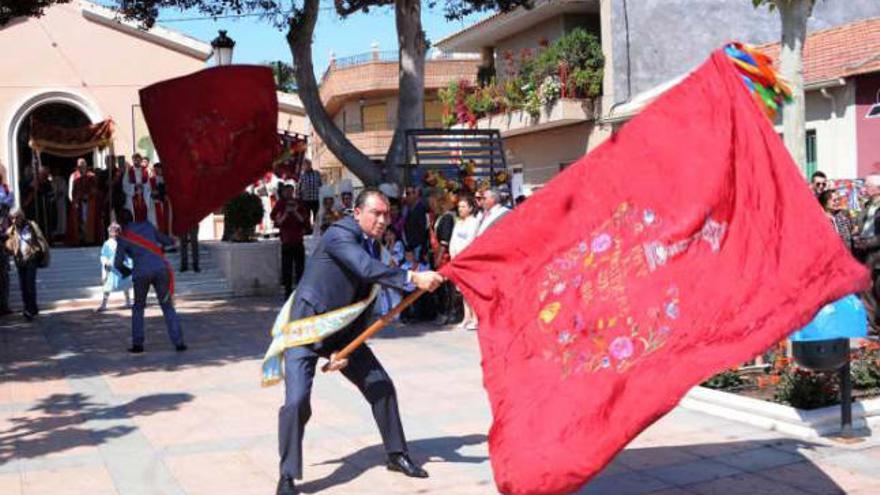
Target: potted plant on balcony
241	215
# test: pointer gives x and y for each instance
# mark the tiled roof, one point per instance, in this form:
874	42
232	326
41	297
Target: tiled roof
841	51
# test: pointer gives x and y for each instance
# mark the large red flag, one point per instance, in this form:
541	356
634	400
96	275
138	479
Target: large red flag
684	245
216	131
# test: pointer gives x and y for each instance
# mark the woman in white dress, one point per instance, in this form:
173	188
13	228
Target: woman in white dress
464	232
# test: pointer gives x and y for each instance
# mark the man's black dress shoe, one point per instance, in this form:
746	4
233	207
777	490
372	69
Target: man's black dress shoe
286	487
403	464
181	347
136	349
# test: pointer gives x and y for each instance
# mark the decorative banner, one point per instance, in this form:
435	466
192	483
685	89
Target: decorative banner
70	142
685	245
216	133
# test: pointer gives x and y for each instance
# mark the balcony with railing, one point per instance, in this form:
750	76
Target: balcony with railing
376	72
372	138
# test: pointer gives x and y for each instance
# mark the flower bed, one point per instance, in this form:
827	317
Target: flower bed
784	382
786	398
571	67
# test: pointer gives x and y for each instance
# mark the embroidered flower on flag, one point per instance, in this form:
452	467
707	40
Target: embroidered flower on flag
601	243
622	348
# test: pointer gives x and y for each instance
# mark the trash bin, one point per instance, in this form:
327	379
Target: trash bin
823	345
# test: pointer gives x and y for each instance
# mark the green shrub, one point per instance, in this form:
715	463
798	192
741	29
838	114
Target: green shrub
725	380
581	52
586	82
241	214
865	367
807	390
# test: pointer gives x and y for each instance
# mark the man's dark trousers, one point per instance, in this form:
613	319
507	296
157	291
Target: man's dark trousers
314	207
161	285
292	255
363	370
191	239
27	280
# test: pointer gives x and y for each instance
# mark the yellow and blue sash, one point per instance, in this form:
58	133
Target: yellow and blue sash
287	333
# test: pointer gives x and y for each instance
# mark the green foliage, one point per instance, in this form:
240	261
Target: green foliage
514	96
725	380
572	66
285	76
865	368
459	9
10	9
579	51
482	101
807	390
758	3
241	214
586	81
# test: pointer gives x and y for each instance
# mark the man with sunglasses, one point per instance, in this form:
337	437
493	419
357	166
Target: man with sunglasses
818	182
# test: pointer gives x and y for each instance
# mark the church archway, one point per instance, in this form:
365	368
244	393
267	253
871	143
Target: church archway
49	204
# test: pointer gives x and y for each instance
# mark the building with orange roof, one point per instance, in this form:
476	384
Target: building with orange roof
842	79
648	47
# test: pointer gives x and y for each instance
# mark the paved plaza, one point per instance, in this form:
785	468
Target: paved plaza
79	415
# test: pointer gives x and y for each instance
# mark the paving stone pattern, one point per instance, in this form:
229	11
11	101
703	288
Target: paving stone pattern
78	415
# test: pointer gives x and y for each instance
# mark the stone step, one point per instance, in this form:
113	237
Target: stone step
74	277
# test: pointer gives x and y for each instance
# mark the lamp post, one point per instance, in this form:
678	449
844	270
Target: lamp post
223	46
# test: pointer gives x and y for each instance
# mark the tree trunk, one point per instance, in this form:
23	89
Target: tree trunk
411	109
299	38
794	15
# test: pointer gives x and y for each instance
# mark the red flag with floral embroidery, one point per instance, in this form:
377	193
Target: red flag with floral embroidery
684	245
215	131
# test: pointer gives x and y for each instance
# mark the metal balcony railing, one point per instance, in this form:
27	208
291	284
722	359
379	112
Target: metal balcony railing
388	125
389	56
370	127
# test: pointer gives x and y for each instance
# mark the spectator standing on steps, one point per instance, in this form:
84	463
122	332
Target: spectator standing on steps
191	239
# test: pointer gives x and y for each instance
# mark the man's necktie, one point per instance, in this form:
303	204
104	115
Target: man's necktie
370	248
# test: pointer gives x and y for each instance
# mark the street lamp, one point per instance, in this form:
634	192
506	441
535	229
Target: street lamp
222	46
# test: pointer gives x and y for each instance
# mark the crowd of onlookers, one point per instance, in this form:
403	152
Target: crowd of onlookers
856	218
426	229
76	211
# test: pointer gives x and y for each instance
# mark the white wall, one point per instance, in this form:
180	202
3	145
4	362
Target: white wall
834	121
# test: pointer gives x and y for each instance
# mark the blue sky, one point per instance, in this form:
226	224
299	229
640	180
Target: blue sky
258	41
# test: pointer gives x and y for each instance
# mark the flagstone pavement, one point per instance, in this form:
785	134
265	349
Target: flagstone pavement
78	415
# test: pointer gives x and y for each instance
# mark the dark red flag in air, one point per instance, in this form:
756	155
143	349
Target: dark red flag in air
684	245
216	131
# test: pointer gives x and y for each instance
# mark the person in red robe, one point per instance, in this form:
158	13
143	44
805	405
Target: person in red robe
83	222
136	185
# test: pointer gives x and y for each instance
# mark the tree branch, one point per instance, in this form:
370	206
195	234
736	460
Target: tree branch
348	7
299	38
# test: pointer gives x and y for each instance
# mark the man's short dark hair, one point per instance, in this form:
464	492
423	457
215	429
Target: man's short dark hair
364	195
125	217
818	173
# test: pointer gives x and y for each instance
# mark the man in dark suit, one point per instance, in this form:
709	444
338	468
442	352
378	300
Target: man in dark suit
415	227
342	271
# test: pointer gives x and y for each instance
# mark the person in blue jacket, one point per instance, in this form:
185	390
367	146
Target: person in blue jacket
144	244
340	272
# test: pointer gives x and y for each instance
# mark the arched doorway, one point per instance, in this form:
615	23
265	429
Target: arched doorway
48	203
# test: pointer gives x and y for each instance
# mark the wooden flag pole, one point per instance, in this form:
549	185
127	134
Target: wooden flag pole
370	331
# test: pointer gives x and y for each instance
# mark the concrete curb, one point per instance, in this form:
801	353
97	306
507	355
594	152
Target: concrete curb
777	417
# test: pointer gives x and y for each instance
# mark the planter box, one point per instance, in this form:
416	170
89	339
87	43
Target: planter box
563	112
777	417
250	268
